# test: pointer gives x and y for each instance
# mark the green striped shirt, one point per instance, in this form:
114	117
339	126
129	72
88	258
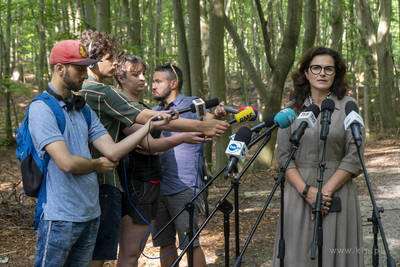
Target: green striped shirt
112	107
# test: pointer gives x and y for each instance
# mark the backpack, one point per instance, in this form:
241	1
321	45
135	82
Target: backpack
34	169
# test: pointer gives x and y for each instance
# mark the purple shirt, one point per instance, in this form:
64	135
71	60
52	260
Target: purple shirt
180	164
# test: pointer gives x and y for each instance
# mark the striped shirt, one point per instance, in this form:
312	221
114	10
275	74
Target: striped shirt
112	107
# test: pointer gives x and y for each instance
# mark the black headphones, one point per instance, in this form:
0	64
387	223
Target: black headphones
76	101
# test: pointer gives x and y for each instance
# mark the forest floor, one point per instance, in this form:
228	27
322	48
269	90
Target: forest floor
382	160
17	240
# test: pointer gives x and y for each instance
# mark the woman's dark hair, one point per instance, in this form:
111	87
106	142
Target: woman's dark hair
301	85
128	62
173	72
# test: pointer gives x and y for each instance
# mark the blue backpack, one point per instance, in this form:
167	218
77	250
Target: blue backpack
34	169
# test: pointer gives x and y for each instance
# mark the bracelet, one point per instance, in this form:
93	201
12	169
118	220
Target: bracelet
305	191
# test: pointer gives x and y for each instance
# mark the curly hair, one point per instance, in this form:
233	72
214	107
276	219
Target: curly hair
301	84
102	43
128	62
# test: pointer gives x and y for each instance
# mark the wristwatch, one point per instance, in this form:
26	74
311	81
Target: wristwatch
305	191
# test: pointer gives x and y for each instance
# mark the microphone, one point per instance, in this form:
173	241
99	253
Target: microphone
353	120
267	122
243	116
327	108
198	106
308	118
237	149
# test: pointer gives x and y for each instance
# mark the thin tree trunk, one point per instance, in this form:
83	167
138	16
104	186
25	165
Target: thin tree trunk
103	16
182	46
42	45
7	72
151	48
310	24
195	60
90	18
337	26
159	19
384	67
136	23
217	70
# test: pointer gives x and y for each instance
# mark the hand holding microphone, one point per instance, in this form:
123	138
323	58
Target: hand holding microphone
198	106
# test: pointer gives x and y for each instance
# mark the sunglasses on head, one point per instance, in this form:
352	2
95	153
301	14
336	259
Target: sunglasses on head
173	69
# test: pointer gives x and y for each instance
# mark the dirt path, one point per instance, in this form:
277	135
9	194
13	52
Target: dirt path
382	159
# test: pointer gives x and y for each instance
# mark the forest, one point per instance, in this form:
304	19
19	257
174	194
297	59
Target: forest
242	51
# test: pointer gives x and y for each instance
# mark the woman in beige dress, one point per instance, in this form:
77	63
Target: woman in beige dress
321	74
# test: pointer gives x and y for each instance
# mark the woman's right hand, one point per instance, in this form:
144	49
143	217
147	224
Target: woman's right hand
312	198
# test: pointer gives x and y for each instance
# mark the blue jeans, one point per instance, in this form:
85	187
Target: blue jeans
62	243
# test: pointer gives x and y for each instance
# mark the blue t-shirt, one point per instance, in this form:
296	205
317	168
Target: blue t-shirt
70	197
180	164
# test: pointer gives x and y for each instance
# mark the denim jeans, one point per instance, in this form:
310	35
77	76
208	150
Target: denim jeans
62	243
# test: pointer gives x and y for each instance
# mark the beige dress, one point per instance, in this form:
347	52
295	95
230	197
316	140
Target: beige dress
342	231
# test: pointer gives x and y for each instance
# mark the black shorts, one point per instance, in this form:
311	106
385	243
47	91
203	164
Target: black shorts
144	197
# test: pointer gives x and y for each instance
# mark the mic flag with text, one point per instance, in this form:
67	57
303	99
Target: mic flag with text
353	121
243	116
237	149
307	119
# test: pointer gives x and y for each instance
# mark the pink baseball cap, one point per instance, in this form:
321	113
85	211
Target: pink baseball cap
70	52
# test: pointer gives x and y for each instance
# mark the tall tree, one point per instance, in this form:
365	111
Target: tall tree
310	24
42	45
337	25
384	67
217	71
272	95
196	66
7	74
90	18
136	24
103	16
182	46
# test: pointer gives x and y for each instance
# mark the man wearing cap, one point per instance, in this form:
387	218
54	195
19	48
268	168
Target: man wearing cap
70	220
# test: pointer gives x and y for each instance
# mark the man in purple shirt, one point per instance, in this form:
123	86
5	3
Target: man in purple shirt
179	167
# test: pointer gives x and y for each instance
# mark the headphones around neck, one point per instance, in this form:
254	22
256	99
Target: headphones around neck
76	101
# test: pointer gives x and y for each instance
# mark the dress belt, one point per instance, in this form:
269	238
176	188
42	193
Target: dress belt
330	164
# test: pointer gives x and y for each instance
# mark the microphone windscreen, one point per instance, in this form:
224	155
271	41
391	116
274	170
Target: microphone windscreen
269	120
314	109
243	135
212	103
328	104
254	109
351	106
285	118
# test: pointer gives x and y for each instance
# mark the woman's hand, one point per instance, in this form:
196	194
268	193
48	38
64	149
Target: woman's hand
312	198
163	119
219	111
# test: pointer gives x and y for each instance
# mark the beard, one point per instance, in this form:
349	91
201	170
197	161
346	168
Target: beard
73	85
164	96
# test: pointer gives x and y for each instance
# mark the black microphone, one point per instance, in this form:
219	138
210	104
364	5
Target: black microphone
267	122
353	120
308	118
327	108
237	149
193	108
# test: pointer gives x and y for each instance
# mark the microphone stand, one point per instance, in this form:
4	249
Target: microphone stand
317	210
190	208
280	180
376	220
255	139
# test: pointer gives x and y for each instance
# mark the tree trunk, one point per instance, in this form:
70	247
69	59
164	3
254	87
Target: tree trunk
151	49
217	70
205	36
286	55
42	45
384	67
136	24
195	60
367	100
103	16
310	24
182	46
337	26
90	19
159	19
7	73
